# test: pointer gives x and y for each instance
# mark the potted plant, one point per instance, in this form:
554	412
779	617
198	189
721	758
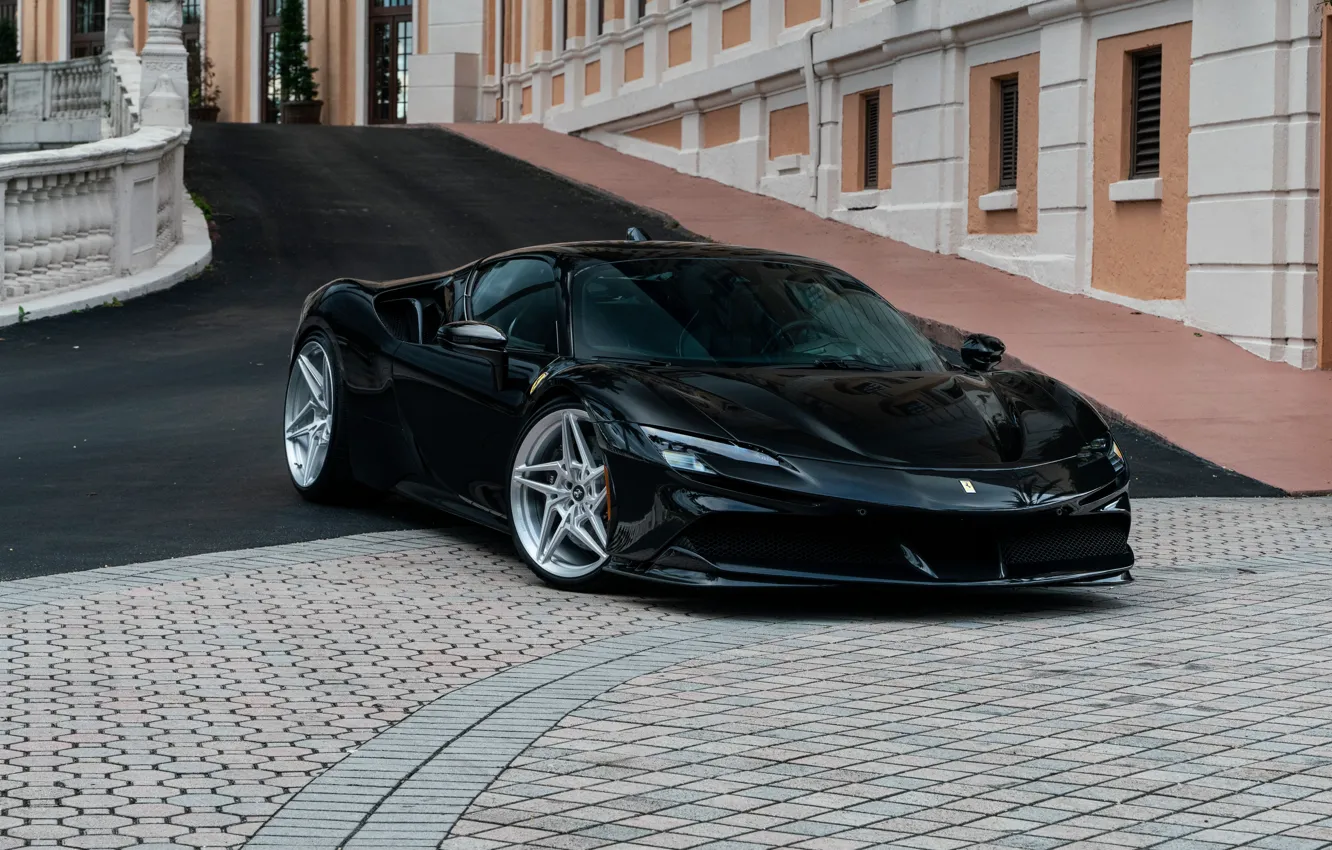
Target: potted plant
8	41
300	93
203	91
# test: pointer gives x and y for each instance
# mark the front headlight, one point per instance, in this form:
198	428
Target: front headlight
1104	447
689	453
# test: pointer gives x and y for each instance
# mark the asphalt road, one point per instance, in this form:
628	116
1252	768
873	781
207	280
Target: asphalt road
152	430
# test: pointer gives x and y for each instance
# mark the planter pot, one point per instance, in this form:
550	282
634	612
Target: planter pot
302	112
204	113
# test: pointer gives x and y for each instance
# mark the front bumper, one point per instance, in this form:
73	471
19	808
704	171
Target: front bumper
719	531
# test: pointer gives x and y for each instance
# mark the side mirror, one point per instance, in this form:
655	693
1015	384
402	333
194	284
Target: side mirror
472	335
982	352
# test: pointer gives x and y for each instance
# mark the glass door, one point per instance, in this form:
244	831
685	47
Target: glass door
87	27
390	45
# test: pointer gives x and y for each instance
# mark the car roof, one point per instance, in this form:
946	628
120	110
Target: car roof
615	250
612	251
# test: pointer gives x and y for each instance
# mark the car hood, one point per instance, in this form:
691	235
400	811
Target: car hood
918	419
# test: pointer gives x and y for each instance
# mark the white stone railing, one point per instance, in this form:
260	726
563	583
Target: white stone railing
54	104
82	215
110	202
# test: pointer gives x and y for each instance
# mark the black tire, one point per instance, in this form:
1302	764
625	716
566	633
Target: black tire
334	483
583	583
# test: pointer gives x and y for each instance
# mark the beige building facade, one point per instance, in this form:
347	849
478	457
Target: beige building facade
363	49
1160	154
1165	155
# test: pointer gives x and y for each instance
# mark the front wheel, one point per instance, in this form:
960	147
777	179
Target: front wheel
317	455
559	499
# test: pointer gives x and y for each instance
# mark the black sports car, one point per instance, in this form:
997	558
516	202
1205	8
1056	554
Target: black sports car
705	415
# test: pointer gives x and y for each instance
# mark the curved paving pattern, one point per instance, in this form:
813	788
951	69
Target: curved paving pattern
433	692
406	788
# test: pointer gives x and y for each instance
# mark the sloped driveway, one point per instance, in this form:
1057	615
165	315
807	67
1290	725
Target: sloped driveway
150	430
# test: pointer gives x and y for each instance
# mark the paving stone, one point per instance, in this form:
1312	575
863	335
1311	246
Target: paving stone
218	693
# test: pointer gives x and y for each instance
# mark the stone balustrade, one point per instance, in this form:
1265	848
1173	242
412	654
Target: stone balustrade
85	214
98	192
56	104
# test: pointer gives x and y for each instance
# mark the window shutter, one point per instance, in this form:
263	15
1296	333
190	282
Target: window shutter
1145	136
1008	134
870	141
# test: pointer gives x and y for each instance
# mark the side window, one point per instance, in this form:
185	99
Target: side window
520	297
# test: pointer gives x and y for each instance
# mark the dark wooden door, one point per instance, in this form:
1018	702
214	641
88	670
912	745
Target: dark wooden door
271	82
390	45
87	27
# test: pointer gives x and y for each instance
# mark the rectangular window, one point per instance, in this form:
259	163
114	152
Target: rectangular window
87	31
1008	133
1145	134
642	9
870	140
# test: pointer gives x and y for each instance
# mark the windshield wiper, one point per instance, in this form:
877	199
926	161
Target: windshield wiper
847	363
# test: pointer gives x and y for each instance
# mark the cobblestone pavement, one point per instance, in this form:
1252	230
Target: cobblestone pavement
408	689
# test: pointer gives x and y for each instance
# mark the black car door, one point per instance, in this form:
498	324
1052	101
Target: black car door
462	411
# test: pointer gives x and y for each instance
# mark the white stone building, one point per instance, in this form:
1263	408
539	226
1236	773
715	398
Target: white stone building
1163	154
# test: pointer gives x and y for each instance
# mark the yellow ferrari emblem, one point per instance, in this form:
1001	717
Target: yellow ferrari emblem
537	382
968	486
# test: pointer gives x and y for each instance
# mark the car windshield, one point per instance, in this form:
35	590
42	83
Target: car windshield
740	312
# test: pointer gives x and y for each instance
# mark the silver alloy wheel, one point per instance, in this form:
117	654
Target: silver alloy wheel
308	419
558	496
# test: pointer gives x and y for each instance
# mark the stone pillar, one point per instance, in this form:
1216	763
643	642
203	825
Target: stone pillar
446	82
1253	175
1064	222
930	149
165	86
119	26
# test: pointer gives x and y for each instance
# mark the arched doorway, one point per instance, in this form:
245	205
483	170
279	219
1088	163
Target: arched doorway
390	30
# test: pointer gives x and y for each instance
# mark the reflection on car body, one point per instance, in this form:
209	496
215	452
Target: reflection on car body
704	415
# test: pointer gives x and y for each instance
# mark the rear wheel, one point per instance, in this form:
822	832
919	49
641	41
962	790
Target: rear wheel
317	456
558	498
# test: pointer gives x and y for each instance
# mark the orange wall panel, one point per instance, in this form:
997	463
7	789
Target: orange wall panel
542	25
1140	248
983	176
557	90
799	11
680	46
668	133
227	42
853	143
139	9
736	28
592	77
488	38
788	131
721	126
633	63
